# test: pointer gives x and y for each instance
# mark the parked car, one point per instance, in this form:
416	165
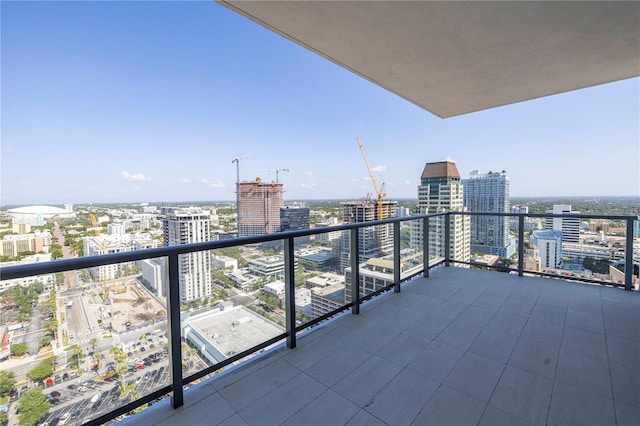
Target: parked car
72	386
64	419
57	379
55	394
95	398
140	366
82	389
65	376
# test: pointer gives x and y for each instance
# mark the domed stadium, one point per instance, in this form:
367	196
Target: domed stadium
36	215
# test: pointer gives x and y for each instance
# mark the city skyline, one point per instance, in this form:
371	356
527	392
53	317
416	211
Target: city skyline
108	102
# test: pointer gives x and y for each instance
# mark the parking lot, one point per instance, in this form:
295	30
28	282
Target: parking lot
81	400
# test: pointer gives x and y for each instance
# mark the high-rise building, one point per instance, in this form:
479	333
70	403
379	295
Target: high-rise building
188	226
259	206
441	190
549	244
294	218
570	227
489	193
373	241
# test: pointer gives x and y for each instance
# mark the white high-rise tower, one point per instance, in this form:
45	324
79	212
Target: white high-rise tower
188	226
489	193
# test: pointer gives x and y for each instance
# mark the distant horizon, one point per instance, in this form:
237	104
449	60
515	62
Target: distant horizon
157	203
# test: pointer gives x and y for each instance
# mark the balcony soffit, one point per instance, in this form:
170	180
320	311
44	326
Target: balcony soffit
452	58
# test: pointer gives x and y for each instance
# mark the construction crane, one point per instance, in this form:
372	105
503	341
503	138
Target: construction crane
94	223
237	161
279	170
379	191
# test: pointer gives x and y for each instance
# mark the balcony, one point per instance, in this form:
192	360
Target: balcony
462	347
447	345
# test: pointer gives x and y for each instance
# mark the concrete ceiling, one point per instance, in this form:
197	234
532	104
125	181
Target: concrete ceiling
452	58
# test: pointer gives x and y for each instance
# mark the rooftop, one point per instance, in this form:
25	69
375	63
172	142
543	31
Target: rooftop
464	347
441	169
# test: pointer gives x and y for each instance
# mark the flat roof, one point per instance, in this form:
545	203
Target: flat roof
233	330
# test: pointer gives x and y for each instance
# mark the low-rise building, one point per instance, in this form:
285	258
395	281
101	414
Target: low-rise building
224	262
325	299
48	280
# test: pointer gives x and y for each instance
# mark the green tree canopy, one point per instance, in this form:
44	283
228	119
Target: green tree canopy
42	370
33	406
7	382
18	349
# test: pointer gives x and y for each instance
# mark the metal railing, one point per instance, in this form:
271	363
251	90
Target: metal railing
172	253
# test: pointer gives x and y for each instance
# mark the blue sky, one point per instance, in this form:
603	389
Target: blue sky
151	101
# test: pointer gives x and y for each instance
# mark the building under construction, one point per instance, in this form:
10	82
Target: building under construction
373	241
259	206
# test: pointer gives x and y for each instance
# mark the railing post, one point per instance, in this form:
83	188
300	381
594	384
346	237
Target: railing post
290	292
521	244
173	328
628	256
447	236
425	247
396	257
355	270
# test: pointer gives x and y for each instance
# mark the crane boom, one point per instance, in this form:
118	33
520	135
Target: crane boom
379	191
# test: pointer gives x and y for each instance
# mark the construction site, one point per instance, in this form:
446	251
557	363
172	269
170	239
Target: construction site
127	305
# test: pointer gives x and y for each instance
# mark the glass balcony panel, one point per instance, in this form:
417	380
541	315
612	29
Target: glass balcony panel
86	340
233	303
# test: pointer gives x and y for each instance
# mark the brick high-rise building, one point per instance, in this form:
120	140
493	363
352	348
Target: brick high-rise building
259	206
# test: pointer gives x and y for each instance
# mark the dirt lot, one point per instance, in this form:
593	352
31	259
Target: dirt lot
134	307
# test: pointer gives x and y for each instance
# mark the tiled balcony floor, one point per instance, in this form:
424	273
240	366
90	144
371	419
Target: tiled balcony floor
463	347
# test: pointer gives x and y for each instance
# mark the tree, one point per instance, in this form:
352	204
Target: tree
42	370
94	343
59	277
4	417
56	251
18	349
7	382
77	354
33	406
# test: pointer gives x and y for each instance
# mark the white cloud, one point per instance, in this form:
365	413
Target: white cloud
379	169
407	182
137	177
308	174
185	180
449	158
213	184
307	185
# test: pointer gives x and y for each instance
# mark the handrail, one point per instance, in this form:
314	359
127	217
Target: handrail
21	271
